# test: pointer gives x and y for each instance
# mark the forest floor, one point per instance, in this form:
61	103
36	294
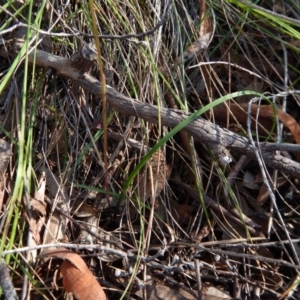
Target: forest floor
160	160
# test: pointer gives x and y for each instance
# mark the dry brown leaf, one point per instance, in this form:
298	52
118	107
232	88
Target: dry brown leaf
37	216
264	191
153	178
77	278
205	34
56	225
58	141
56	188
55	229
266	117
38	202
290	123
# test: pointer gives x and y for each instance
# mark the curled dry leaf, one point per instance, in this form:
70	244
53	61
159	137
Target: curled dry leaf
77	278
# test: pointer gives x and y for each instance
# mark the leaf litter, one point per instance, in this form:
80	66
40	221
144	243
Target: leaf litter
156	234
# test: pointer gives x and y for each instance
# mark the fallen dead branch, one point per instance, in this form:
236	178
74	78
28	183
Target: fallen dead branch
213	136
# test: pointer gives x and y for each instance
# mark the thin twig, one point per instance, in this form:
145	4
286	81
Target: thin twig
103	36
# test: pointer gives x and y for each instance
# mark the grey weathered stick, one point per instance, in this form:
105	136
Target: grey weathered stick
5	282
203	131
